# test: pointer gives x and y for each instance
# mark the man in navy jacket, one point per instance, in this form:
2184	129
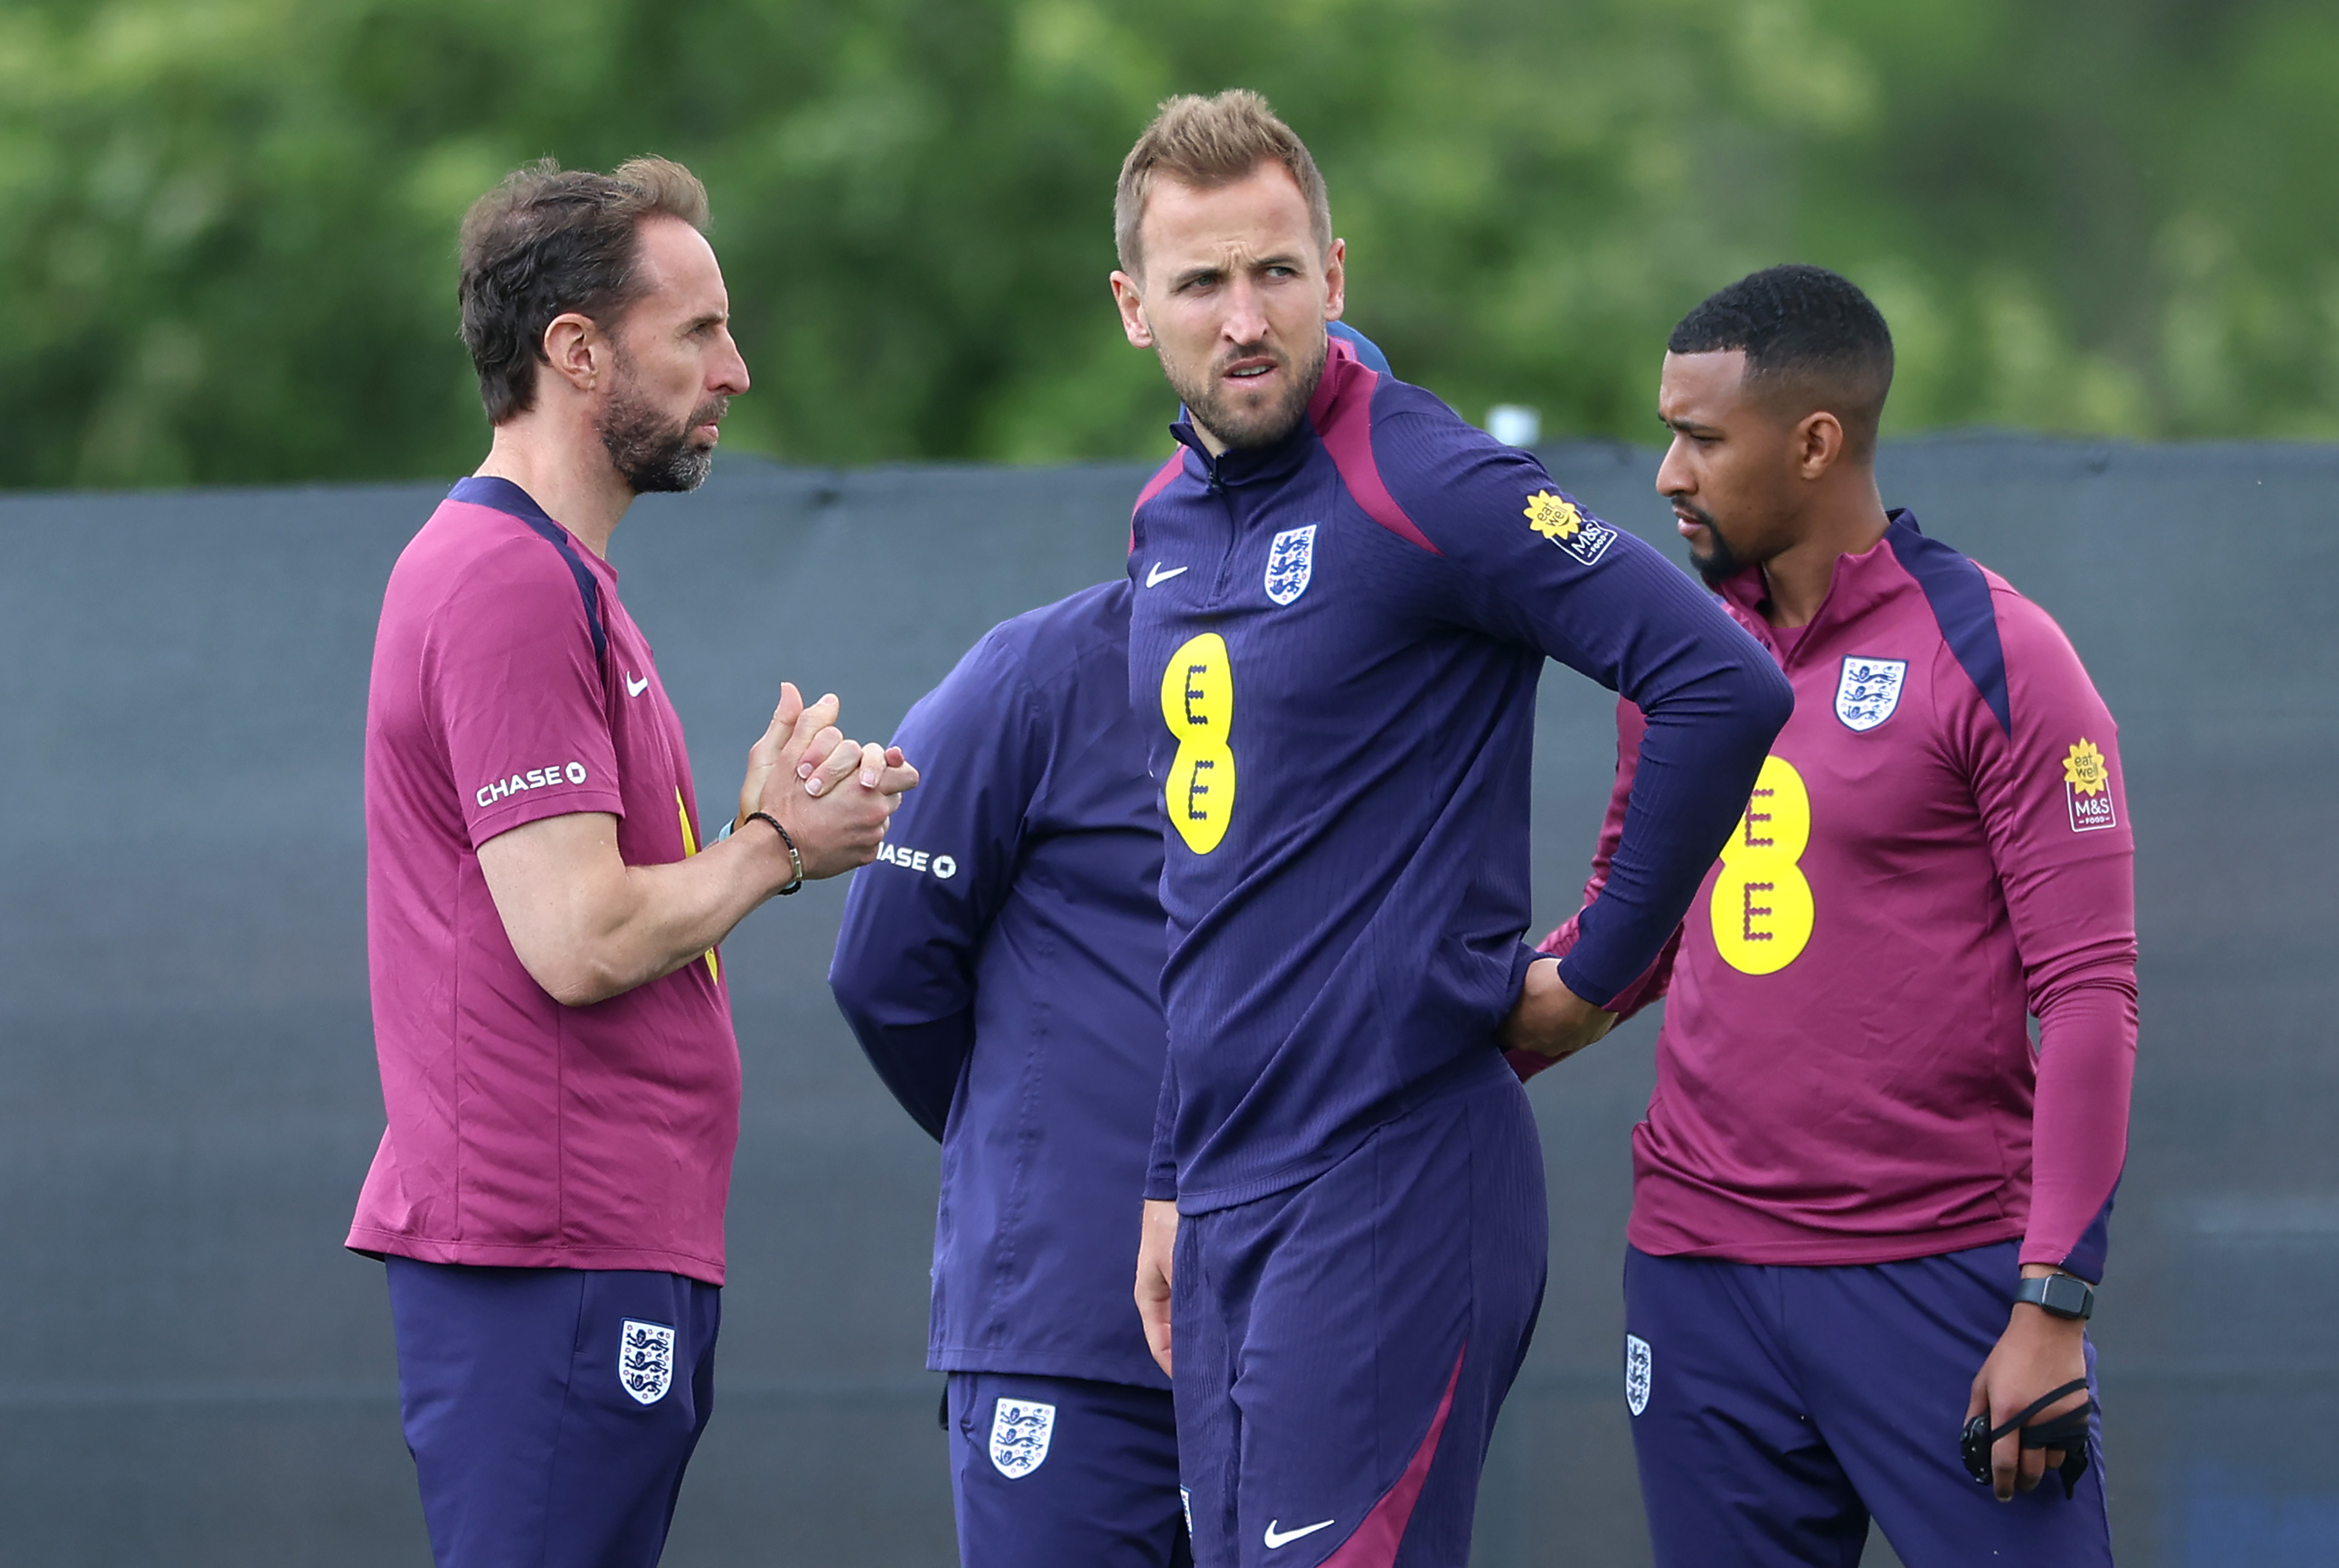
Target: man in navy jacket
1343	599
1001	966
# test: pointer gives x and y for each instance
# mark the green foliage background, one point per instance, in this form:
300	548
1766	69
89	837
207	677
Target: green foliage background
226	226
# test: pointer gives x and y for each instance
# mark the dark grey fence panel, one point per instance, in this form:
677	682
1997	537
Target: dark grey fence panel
196	1375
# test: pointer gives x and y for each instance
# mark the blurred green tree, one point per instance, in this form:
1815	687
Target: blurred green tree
228	251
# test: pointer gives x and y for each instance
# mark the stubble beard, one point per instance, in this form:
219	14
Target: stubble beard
1240	429
1718	563
650	452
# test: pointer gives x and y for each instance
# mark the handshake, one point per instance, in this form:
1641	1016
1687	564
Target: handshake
830	795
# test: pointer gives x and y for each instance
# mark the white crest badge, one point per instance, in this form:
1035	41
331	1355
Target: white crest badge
1290	562
1639	1369
644	1359
1020	1430
1867	691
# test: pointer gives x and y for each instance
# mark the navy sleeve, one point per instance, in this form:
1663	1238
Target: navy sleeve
914	922
1522	560
1161	1164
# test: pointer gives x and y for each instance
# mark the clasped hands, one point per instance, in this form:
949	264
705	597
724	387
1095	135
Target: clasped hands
834	794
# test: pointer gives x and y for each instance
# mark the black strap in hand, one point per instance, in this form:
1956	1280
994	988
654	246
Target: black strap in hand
2067	1432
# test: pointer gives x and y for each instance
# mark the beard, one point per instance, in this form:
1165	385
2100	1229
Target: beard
1211	408
1719	563
653	455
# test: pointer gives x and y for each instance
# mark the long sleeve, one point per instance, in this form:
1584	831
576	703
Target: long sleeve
2054	807
914	922
1162	1166
1529	565
1649	987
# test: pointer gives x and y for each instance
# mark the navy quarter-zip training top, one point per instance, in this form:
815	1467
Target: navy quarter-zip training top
1334	646
999	964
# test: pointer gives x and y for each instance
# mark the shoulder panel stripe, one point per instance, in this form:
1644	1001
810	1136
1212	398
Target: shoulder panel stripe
1344	423
1960	597
503	496
1154	486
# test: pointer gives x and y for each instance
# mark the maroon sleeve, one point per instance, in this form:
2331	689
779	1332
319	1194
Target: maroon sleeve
515	690
1651	986
2054	808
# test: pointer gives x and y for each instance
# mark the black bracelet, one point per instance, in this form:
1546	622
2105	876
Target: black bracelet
794	858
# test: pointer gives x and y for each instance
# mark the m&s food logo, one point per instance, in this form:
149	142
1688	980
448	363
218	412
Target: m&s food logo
2088	788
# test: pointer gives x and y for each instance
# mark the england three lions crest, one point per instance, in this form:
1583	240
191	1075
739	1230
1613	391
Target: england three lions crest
1290	563
1869	690
645	1360
1020	1430
1639	1373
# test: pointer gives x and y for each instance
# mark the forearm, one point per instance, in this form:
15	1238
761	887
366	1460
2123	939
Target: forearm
674	913
2087	1066
588	927
1699	756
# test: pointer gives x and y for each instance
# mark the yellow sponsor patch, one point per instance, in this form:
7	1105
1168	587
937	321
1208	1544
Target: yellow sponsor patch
1197	703
1554	517
1561	521
2087	788
1762	912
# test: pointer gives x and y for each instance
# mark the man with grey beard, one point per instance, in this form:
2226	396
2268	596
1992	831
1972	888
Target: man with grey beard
543	910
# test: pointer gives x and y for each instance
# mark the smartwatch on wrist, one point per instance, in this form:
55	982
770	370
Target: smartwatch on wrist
2059	1295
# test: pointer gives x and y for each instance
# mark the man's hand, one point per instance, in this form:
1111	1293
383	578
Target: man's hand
1157	1244
794	727
1550	1019
2039	1351
832	794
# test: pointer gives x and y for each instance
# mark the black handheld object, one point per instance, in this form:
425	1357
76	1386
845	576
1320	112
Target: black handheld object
2067	1432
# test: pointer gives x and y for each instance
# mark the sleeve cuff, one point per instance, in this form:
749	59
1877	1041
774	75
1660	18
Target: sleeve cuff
509	815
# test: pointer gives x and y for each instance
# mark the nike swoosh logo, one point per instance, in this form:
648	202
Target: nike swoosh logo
635	689
1156	577
1287	1537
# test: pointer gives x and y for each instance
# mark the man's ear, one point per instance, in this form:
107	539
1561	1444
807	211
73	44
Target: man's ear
576	351
1129	300
1336	280
1819	444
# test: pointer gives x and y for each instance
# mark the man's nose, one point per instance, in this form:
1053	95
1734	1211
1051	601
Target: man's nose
1245	318
1673	474
729	371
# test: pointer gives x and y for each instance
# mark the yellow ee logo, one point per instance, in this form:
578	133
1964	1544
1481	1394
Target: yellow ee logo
1198	700
1761	903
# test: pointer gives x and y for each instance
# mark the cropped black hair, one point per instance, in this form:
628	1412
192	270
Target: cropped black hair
1809	334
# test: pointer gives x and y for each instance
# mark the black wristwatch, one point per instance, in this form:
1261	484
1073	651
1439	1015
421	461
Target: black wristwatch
2063	1294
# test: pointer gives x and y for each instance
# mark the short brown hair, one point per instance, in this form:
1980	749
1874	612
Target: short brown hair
549	241
1207	143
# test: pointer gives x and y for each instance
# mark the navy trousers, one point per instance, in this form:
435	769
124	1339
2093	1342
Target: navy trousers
1063	1470
1776	1408
1344	1347
551	1410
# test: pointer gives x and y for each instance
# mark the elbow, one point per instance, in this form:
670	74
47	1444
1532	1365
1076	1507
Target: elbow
1770	700
1760	702
577	982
